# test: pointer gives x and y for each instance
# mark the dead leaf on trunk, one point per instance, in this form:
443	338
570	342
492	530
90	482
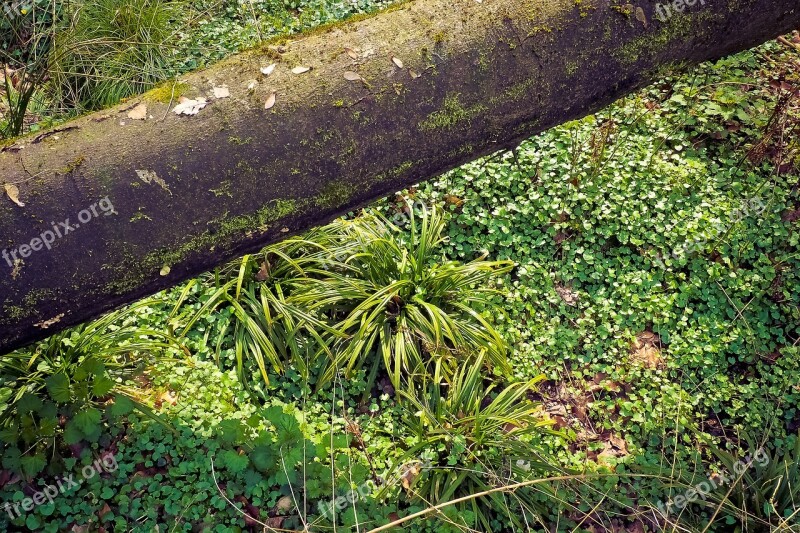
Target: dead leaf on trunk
47	323
641	17
222	92
13	194
138	113
187	106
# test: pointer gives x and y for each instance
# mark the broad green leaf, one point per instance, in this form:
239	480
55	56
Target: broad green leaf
58	387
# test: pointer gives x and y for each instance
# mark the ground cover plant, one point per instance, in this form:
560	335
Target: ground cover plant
606	318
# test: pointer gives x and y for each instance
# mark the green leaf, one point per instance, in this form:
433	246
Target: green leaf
12	459
231	431
122	405
33	522
28	403
33	464
102	385
47	427
5	394
58	387
234	462
72	435
87	421
90	367
264	459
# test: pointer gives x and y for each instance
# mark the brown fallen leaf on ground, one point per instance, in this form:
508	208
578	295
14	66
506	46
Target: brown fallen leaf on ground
284	505
263	272
410	475
569	296
270	100
646	350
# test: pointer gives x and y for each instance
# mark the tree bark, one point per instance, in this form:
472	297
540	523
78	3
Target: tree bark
440	82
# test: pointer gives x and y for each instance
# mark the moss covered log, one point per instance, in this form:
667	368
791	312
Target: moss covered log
116	208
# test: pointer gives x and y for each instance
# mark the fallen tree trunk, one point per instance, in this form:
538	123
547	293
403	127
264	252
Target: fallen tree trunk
117	207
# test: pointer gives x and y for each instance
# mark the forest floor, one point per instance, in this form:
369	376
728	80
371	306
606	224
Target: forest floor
655	288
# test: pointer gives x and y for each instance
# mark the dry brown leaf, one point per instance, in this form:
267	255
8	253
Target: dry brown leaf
104	510
17	268
646	350
275	522
47	323
270	100
410	475
641	17
349	75
453	200
284	504
13	193
266	71
300	70
221	92
414	74
352	53
149	176
569	296
397	62
138	113
168	397
187	106
263	272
